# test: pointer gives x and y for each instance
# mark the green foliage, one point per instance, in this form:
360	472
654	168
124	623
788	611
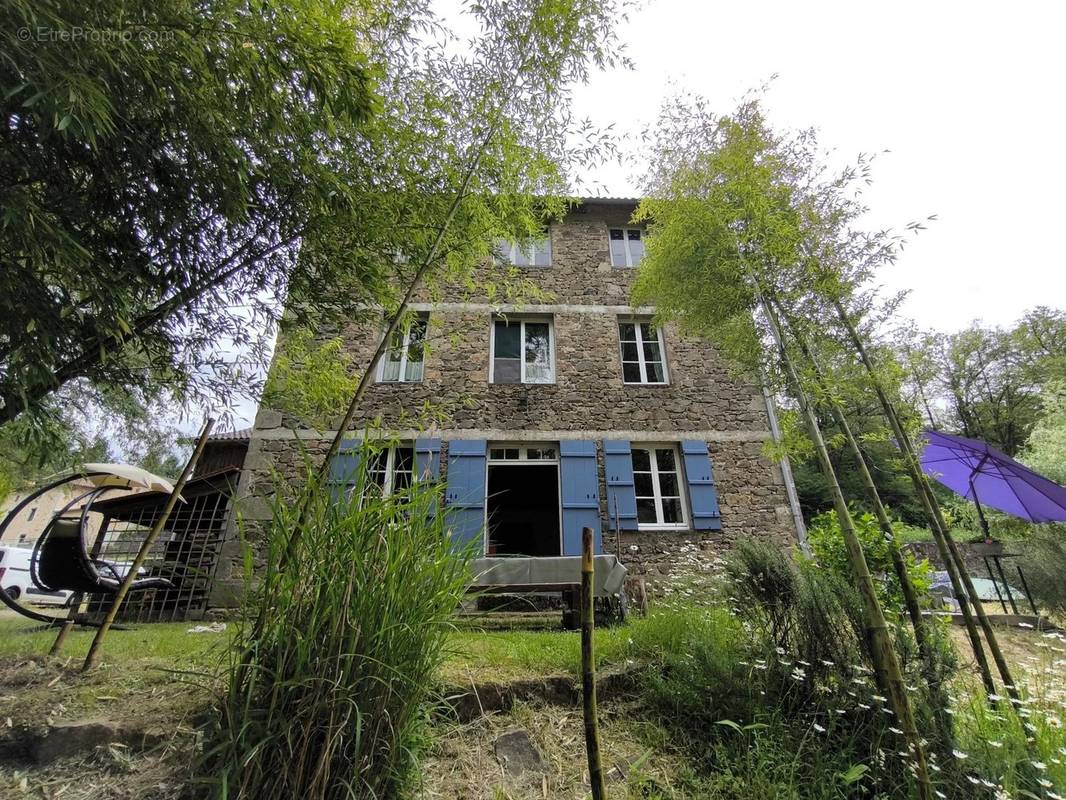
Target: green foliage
310	380
828	545
291	148
1045	451
1044	564
329	697
158	176
989	383
741	696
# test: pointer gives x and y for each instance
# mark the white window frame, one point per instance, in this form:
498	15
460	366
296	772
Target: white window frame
657	494
509	250
390	466
523	452
641	360
522	359
625	238
405	348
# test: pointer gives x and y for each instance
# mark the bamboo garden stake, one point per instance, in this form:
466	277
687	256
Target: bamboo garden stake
949	554
914	611
588	668
885	662
98	640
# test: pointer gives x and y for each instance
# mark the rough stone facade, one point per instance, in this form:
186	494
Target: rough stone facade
584	297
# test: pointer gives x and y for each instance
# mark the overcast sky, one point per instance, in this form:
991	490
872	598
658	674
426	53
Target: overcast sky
967	97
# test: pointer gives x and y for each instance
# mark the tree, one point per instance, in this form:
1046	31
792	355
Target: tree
729	257
986	382
159	174
1045	451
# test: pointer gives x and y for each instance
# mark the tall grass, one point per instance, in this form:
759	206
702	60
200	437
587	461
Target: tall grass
328	691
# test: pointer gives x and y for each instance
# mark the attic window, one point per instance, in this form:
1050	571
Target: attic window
627	246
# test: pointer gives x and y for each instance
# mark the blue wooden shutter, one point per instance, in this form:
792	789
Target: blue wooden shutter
581	494
344	468
621	496
427	459
465	496
703	496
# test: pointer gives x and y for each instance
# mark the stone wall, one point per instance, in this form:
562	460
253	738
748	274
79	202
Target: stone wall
704	399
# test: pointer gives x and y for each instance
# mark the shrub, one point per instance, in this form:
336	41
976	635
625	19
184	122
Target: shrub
827	542
338	650
1044	564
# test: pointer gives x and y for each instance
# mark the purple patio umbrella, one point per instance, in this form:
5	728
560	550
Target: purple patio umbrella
983	474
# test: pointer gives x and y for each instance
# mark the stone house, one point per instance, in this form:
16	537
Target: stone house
574	411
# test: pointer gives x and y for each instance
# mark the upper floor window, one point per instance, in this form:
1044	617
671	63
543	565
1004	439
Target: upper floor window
627	246
535	254
642	353
657	480
404	360
392	469
522	352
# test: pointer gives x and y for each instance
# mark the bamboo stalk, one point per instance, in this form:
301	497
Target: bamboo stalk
910	595
588	668
885	662
925	496
98	640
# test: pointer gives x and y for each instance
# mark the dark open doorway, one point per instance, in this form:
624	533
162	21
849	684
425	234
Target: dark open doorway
523	510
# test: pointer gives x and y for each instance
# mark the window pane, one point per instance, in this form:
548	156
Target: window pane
405	458
538	373
631	372
627	332
641	459
542	255
416	338
507	370
633	234
521	256
647	332
618	248
547	452
501	251
391	370
655	372
496	453
413	372
643	484
629	351
646	511
508	340
636	250
538	357
651	351
668	484
511	454
665	457
672	511
378	468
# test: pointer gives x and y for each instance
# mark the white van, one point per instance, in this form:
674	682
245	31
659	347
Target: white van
15	579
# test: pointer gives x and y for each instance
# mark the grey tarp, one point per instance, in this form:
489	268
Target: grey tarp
520	571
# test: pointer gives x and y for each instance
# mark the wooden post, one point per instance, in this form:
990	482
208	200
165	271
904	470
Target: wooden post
142	554
588	668
75	601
